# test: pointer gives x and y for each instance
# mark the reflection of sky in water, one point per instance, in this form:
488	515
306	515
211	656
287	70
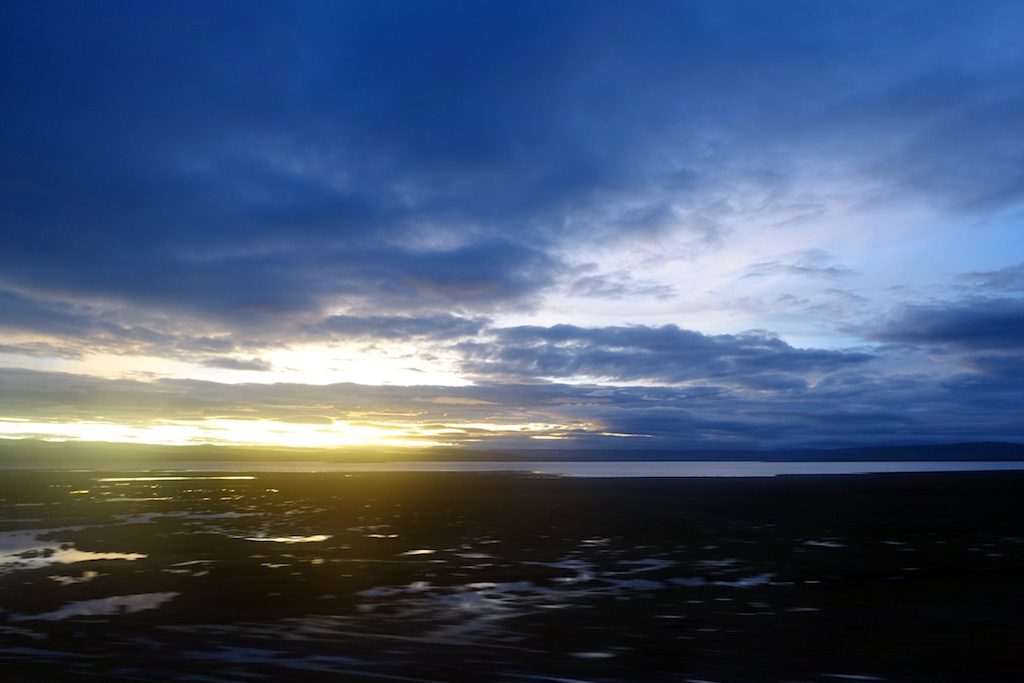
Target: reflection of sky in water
315	538
117	604
25	550
87	575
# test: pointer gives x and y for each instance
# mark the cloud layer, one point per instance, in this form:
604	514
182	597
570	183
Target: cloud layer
245	160
695	222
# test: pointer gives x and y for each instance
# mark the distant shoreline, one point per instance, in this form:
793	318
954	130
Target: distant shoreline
45	454
576	469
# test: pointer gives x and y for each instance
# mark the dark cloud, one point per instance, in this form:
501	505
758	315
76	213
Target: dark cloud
75	329
249	160
962	148
659	354
851	407
1009	279
979	343
990	374
27	314
967	324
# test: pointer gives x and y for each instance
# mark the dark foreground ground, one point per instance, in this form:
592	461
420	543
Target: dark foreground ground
476	577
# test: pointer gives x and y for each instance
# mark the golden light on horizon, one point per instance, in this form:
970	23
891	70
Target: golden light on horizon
274	433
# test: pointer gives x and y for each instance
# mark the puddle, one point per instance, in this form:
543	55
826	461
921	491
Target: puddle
388	591
747	582
719	564
25	550
117	604
647	565
315	538
744	582
638	584
87	575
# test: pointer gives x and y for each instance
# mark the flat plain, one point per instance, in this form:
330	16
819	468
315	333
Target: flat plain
508	577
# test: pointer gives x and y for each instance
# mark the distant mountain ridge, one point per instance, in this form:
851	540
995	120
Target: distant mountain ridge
28	452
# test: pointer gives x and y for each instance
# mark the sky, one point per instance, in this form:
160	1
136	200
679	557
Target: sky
512	224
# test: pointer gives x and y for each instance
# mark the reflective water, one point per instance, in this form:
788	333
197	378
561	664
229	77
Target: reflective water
21	550
315	538
116	604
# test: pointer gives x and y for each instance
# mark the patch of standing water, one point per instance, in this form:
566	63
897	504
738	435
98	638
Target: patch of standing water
26	550
88	575
315	538
117	604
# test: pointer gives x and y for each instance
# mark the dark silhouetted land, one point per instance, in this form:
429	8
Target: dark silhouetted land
496	577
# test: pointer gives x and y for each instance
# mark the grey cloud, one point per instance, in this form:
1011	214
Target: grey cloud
976	343
661	354
811	263
41	350
282	158
27	314
967	155
1009	279
850	297
228	363
829	307
966	324
847	407
1005	369
439	327
619	285
74	329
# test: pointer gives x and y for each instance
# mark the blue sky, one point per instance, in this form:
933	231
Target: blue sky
672	224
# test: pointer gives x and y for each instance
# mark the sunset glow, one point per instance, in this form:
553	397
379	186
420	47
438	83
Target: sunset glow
695	225
226	432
